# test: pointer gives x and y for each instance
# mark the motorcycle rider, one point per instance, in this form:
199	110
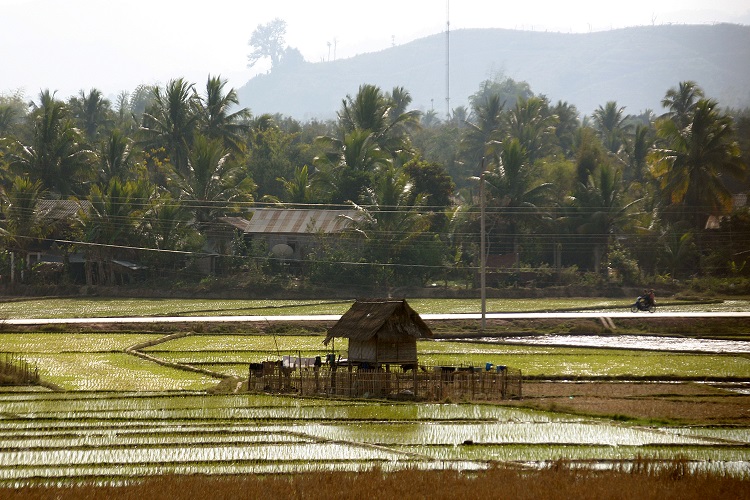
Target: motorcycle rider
641	300
646	300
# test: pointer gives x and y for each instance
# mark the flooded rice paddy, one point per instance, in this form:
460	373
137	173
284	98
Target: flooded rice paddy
125	417
58	437
635	342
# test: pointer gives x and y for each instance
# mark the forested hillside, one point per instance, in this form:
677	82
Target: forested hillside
631	65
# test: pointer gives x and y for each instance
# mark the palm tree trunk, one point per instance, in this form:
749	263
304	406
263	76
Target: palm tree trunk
597	258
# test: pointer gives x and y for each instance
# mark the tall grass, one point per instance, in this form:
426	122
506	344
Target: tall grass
561	481
16	371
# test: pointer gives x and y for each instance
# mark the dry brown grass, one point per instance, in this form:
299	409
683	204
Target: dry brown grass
558	482
680	403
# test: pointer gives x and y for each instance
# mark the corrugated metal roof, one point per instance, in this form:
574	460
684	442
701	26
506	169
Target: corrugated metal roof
238	222
62	209
296	221
130	265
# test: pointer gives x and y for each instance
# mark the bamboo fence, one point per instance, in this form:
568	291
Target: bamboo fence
434	383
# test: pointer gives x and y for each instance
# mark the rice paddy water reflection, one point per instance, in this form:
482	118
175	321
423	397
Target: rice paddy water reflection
655	343
53	437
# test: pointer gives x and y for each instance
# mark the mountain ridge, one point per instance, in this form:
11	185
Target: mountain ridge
633	66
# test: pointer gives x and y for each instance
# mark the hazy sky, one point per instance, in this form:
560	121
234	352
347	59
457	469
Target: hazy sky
69	45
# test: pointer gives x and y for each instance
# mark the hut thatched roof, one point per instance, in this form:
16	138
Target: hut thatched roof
389	319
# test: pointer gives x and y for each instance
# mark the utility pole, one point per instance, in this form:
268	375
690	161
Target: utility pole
448	61
482	250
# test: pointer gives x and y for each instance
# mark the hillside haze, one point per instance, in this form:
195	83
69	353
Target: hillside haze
633	66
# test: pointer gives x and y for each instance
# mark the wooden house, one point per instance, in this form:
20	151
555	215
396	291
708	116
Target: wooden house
58	217
380	332
288	234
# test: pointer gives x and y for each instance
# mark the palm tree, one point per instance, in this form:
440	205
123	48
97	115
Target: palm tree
24	222
165	225
641	144
217	119
211	182
115	212
531	122
298	189
269	156
12	111
349	165
115	157
92	112
610	123
691	168
391	225
480	139
677	250
383	115
601	210
171	122
56	156
566	126
514	190
430	119
681	102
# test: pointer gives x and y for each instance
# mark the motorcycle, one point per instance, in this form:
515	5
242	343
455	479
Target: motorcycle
642	305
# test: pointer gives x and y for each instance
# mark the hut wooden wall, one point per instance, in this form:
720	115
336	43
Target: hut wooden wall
374	351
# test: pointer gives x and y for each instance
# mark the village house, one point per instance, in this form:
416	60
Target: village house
58	218
288	234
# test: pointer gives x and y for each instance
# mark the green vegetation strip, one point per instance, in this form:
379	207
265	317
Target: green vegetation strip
129	307
126	307
97	361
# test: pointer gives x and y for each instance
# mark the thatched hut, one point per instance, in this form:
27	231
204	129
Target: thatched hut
380	331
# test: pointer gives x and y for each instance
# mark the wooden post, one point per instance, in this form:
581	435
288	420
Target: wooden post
414	379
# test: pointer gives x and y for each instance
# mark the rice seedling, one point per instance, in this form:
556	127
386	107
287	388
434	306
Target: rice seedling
547	452
586	362
114	372
131	434
552	433
25	343
265	343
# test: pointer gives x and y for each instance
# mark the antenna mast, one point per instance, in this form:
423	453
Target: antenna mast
448	60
